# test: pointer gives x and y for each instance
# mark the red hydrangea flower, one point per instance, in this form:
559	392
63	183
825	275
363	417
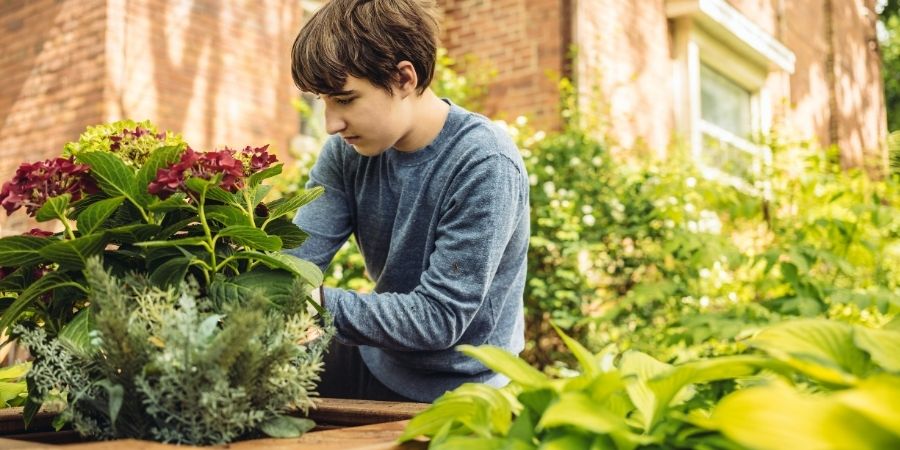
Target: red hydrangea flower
35	183
259	158
37	232
203	165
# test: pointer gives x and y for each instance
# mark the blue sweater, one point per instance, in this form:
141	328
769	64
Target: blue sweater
444	232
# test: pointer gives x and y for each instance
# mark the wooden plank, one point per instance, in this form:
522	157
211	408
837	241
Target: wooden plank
381	436
347	412
382	423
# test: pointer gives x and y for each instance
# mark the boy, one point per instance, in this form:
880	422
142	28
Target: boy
436	196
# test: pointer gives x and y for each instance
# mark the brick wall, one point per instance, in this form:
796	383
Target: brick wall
218	72
52	66
624	50
524	40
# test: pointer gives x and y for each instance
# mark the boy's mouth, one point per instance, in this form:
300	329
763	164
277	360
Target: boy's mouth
351	139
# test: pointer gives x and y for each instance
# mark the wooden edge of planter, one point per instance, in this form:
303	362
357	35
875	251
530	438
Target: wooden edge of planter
347	412
370	424
334	412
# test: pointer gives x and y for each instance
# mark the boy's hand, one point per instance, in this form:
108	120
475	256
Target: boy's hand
314	306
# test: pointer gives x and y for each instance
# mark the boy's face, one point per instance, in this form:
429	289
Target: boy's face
366	116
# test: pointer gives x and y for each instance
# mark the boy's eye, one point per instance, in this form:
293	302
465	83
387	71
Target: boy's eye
343	101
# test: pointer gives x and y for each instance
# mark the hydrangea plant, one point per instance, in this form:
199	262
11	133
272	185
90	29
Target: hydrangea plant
145	204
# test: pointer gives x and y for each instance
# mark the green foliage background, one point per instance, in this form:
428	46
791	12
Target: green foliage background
643	254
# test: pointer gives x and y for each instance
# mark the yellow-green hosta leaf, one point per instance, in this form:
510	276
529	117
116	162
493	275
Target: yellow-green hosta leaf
820	348
430	421
778	417
505	363
675	385
877	398
586	359
499	409
14	372
10	391
883	346
578	410
643	368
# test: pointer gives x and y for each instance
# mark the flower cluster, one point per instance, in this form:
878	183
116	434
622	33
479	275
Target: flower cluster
131	141
231	165
35	183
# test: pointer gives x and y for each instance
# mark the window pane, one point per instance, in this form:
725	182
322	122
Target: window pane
724	103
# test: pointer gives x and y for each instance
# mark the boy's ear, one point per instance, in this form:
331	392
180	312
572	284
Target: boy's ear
407	79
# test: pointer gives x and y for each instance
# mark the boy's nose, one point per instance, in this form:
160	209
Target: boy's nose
333	123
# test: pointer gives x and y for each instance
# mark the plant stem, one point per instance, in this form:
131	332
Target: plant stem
211	242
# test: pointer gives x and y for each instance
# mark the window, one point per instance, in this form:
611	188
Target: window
726	128
722	63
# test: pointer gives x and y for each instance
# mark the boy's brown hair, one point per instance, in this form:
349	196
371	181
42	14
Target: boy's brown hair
365	39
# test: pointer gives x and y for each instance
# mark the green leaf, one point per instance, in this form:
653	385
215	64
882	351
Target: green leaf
115	396
15	371
259	193
883	346
307	271
49	282
22	250
497	407
644	367
93	216
175	202
227	215
286	427
32	404
877	399
505	363
160	158
820	348
585	358
291	235
72	254
778	417
114	177
251	238
55	208
188	242
669	387
277	285
219	194
268	172
578	410
288	205
75	335
171	272
9	392
430	421
133	233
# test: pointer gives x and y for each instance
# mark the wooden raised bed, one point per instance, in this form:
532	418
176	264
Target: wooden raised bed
341	425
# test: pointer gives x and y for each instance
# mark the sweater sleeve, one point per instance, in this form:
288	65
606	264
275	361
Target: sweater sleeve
479	215
327	219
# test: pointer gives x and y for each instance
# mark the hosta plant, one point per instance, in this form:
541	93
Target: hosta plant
809	384
145	203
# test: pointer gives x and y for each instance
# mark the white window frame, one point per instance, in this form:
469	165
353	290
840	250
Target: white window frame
712	33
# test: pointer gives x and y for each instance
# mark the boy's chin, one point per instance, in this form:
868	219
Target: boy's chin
368	150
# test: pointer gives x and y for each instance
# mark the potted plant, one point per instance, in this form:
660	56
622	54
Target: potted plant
164	309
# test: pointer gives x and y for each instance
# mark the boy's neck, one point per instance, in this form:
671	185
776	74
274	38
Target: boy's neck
427	117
